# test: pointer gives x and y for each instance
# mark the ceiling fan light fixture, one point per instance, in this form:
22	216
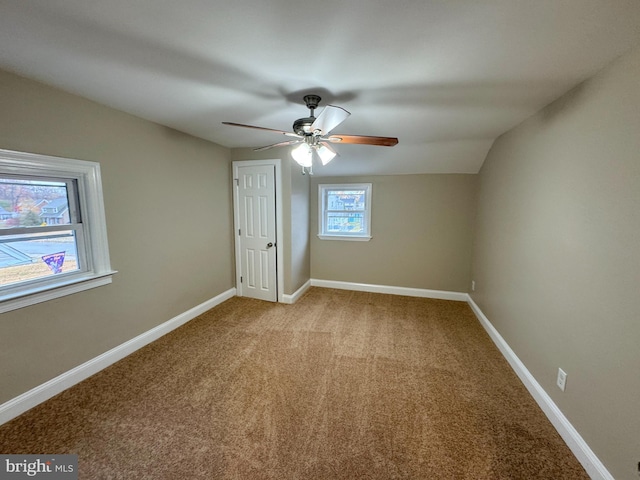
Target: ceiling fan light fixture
325	154
313	133
303	155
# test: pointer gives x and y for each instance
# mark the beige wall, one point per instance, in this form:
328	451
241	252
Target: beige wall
557	255
300	246
421	229
295	200
169	217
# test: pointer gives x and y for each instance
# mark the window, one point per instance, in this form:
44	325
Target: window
53	239
345	212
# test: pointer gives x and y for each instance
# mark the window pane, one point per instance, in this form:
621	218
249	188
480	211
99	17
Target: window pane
346	200
30	203
29	257
347	222
344	211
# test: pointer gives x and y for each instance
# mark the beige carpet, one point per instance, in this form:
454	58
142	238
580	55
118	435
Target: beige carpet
341	385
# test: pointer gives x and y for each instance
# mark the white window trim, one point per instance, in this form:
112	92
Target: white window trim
89	180
344	186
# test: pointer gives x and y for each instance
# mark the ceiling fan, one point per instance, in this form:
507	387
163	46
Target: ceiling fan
312	134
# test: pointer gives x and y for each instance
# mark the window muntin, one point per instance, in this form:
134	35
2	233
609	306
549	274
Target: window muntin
345	211
52	228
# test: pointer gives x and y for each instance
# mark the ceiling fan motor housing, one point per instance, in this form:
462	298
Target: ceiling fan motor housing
302	126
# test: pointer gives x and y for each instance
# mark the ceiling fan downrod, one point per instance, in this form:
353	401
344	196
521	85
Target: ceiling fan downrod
312	102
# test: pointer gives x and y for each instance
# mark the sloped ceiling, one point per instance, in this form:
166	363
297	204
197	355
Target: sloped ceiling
445	77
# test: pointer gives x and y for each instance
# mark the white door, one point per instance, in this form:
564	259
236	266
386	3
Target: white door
256	205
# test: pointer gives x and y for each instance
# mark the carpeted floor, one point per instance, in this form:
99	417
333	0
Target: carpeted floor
341	385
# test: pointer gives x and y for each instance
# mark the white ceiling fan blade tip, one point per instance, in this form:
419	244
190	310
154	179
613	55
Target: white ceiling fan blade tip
329	119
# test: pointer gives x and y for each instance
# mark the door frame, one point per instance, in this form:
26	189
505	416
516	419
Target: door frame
277	163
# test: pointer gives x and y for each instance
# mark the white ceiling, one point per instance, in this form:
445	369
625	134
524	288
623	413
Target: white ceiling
444	76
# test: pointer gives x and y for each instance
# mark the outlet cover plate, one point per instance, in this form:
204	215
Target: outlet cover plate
562	379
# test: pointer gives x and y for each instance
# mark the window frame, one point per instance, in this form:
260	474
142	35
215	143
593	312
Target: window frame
91	243
322	211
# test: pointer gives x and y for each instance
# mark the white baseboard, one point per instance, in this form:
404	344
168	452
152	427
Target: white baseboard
409	292
594	467
297	294
39	394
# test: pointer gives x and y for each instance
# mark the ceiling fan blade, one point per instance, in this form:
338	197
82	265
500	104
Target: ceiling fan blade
289	134
329	119
281	144
363	140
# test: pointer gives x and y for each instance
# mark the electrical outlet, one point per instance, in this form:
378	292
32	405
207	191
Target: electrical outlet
562	379
473	285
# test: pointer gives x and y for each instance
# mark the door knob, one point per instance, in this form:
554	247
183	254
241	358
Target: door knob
269	245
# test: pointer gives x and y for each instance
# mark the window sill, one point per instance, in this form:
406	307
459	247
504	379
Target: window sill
75	285
345	237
